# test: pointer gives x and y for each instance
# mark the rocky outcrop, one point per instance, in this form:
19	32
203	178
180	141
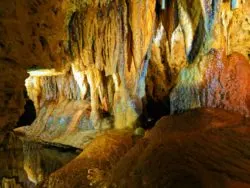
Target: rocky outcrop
197	149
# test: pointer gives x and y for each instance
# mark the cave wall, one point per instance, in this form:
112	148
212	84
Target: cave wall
217	81
11	94
107	45
31	36
104	43
116	56
220	75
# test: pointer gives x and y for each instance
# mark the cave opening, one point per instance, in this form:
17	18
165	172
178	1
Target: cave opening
29	114
154	110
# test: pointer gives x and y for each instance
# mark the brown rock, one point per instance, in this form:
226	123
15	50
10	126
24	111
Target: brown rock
200	148
11	93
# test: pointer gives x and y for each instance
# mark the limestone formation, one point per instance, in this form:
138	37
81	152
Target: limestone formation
104	47
217	81
102	64
99	70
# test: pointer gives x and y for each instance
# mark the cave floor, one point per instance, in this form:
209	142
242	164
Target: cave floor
200	148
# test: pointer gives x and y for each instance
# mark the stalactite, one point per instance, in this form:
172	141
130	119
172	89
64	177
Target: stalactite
94	55
186	24
81	80
226	19
163	4
94	81
113	46
235	4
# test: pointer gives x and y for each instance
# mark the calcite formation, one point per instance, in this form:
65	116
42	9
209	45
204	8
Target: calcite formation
93	65
217	81
219	77
108	55
114	48
231	30
103	42
108	62
119	60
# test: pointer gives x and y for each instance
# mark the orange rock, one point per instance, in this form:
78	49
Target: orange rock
216	81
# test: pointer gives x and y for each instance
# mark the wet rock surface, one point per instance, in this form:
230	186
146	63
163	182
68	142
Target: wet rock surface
25	164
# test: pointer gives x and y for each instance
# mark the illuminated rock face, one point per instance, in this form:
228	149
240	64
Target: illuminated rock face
103	81
104	43
231	31
109	47
217	81
108	50
116	58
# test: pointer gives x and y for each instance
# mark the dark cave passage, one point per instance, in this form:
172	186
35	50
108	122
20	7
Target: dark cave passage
154	110
29	114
